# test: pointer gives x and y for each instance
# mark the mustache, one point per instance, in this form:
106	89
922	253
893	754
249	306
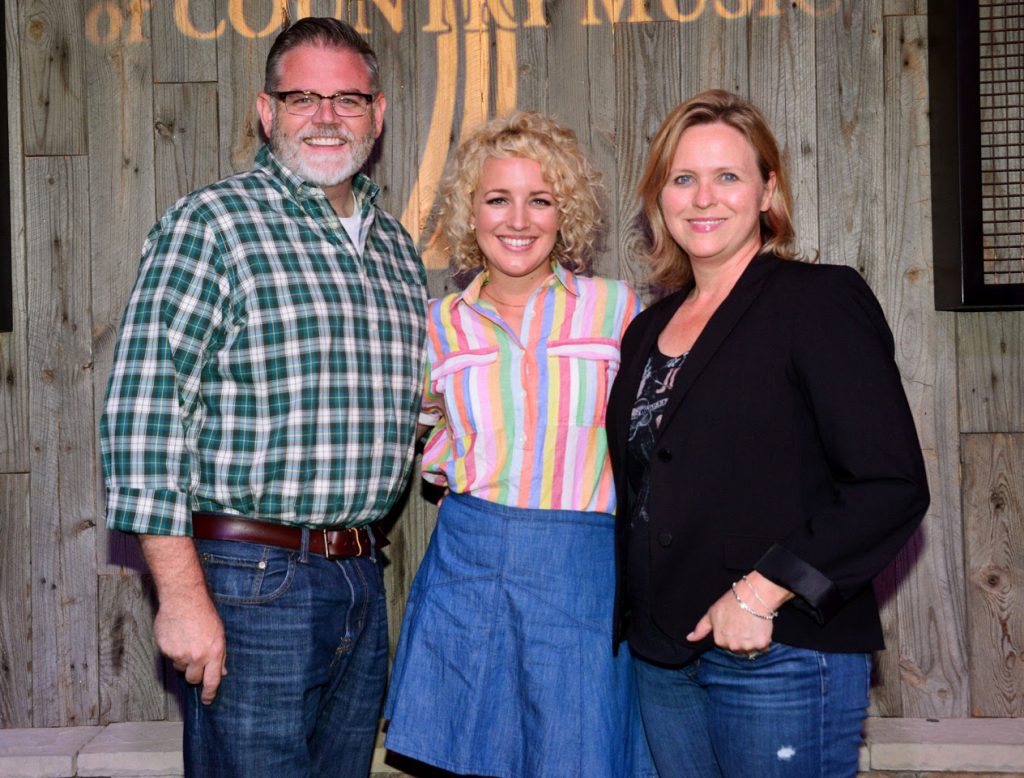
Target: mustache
326	131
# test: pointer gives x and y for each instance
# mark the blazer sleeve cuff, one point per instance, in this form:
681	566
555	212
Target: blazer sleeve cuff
815	593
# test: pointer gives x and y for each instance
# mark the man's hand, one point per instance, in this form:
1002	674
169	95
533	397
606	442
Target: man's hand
187	627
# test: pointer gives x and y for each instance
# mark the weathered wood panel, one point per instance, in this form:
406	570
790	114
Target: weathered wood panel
241	58
905	7
120	119
16	596
990	361
185	139
782	85
129	659
186	35
523	61
582	93
395	159
648	84
993	506
14	345
715	55
172	688
436	90
53	75
63	497
848	62
930	649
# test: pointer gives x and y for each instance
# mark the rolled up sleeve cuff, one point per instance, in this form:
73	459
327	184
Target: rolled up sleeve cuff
815	593
149	511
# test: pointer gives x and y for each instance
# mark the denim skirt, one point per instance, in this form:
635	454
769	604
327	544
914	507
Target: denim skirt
504	667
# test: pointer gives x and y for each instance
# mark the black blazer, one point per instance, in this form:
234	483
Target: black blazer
787	446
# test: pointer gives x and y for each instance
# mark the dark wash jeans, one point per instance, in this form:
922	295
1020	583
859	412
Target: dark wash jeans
787	713
306	659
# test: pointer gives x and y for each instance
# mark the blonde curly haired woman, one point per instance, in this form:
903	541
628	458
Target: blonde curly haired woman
504	667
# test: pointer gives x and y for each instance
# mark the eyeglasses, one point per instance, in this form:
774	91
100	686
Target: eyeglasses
302	102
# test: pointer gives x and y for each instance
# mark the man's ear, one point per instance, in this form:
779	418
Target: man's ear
266	112
380	105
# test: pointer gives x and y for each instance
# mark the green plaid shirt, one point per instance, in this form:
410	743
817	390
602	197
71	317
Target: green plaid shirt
262	367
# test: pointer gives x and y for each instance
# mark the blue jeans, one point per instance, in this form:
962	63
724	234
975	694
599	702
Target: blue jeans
306	659
789	712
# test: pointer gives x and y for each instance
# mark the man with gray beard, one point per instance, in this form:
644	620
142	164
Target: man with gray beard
260	418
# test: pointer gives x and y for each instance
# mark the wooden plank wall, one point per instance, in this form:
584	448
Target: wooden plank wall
117	108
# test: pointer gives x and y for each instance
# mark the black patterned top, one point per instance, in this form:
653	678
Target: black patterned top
645	638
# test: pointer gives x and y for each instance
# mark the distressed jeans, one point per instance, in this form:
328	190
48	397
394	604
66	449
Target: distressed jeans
787	713
306	660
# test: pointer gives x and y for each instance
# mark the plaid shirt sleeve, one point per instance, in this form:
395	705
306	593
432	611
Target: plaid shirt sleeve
147	427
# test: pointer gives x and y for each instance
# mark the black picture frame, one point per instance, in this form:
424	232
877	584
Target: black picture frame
955	124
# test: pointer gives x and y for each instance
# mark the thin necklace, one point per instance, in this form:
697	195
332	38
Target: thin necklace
485	291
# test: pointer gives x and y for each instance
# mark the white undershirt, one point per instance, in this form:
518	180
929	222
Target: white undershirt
354	227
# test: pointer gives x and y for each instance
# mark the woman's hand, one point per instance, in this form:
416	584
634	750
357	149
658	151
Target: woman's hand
736	629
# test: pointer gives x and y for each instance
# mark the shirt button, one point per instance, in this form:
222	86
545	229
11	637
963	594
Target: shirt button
664	455
665	539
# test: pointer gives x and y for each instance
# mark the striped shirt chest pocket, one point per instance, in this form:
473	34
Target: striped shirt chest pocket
580	372
474	389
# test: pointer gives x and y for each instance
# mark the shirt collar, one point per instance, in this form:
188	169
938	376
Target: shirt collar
364	189
565	278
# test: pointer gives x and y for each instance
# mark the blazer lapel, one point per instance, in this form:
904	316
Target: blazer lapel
722	322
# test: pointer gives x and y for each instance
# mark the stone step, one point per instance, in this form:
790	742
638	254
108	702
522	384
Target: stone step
125	750
989	747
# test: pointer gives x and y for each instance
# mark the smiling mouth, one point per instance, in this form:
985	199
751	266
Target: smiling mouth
324	141
516	243
705	225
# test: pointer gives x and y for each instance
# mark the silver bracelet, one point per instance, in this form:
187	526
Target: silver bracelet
758	596
743	606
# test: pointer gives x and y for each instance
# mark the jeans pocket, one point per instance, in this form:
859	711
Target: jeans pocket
750	655
250	575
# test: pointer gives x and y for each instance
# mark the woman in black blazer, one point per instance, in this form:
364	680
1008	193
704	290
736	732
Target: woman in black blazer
766	464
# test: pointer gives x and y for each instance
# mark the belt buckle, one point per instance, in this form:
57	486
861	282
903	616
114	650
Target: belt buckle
355	535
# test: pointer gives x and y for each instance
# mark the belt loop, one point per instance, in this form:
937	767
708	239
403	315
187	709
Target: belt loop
372	538
327	543
304	547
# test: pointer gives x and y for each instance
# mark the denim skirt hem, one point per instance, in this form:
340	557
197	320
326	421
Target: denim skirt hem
504	667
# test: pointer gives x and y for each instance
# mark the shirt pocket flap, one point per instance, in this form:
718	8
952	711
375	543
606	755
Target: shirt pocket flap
599	349
461	360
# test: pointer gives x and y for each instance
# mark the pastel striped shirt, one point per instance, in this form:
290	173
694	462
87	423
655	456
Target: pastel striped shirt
518	418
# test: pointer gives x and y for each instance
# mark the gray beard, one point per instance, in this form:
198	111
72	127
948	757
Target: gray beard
288	150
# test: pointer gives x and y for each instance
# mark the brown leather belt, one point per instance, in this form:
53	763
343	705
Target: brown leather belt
325	542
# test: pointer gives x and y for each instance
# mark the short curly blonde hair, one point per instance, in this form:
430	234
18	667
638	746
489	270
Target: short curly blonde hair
575	183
